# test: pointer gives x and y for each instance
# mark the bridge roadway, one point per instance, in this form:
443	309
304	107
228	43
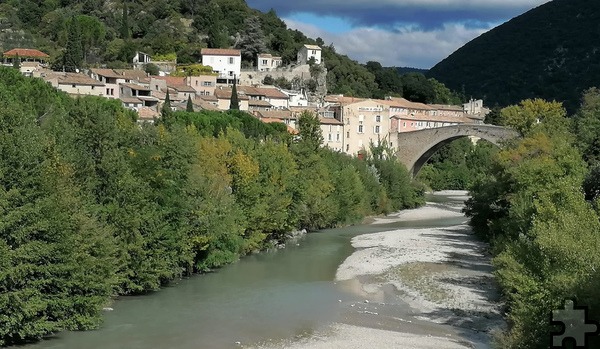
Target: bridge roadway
416	147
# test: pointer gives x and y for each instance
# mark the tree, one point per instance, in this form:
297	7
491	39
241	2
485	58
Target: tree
151	69
310	130
252	41
190	106
73	55
234	103
166	110
17	62
125	33
531	113
417	88
587	126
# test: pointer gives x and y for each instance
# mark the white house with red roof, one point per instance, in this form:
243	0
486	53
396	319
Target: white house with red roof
25	55
226	62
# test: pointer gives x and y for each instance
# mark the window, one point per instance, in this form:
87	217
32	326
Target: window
337	138
107	91
329	138
264	62
73	86
360	128
348	134
207	83
376	129
404	124
378	118
347	147
93	87
230	60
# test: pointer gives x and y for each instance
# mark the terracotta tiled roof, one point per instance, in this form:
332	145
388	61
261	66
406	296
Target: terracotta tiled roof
270	120
132	74
259	103
405	103
263	91
343	99
171	80
268	55
220	52
457	108
225	93
210	98
74	79
147	113
274	114
329	121
25	52
131	100
109	73
438	118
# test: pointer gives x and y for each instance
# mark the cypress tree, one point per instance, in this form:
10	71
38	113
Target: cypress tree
190	106
125	22
166	110
73	56
17	62
234	104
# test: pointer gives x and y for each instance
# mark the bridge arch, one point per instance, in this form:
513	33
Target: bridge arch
416	147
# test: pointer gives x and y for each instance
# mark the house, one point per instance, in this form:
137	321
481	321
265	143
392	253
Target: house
112	78
29	68
271	95
177	87
223	95
283	116
25	55
365	122
74	84
132	103
203	84
332	129
268	62
307	52
140	59
144	93
296	98
227	63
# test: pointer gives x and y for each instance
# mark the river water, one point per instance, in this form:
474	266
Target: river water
286	293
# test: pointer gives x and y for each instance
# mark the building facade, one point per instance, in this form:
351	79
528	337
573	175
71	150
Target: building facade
227	63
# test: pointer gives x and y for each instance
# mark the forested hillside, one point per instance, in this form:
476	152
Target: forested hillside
98	32
94	205
550	52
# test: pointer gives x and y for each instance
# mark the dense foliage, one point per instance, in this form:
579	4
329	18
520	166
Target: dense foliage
458	165
543	53
95	205
544	233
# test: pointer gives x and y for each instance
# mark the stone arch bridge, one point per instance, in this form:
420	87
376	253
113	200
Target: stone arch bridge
416	147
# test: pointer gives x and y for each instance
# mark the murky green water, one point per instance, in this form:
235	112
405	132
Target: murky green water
274	295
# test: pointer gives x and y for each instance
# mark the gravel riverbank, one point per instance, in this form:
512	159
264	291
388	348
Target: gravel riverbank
444	295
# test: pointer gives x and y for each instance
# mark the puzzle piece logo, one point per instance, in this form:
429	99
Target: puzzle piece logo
575	326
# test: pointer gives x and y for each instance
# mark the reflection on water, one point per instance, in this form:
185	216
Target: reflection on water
271	295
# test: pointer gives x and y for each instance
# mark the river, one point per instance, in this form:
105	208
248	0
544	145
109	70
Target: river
274	298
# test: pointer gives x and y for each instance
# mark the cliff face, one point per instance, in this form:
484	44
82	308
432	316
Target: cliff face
552	52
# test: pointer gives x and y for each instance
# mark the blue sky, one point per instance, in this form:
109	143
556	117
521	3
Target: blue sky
415	33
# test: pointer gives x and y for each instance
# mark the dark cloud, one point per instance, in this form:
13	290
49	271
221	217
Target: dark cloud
386	13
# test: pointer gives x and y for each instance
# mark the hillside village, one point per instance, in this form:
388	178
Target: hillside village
348	124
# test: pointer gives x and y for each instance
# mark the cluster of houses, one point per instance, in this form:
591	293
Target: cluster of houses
348	124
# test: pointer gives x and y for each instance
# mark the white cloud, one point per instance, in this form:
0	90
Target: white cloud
408	46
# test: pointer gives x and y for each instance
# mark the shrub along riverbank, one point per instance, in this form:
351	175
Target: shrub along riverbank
93	205
543	227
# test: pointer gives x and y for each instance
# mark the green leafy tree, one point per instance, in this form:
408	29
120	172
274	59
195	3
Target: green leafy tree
587	126
151	69
309	128
125	28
